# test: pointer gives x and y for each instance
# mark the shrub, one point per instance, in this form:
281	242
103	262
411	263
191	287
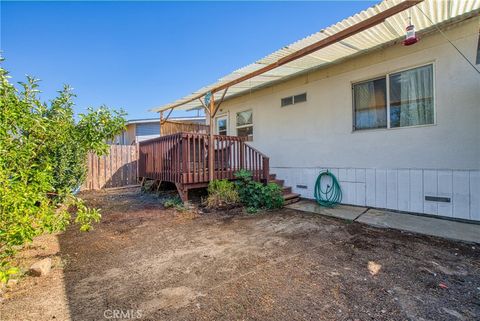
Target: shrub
221	193
255	195
272	196
42	161
174	202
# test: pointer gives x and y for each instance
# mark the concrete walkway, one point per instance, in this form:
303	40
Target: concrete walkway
407	222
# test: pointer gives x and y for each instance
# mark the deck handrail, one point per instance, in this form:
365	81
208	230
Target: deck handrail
183	158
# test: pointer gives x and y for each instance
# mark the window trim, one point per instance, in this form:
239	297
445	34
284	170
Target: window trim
243	126
387	78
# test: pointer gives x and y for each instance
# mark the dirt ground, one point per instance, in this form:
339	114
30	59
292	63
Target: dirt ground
144	262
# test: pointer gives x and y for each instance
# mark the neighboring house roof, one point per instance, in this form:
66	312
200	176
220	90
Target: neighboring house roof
156	120
425	16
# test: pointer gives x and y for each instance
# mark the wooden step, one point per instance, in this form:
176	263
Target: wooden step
291	198
286	190
279	182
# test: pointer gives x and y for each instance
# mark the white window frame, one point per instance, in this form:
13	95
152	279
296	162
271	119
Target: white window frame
387	79
243	126
293	99
217	130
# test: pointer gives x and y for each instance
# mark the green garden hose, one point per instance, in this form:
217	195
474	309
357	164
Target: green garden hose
332	195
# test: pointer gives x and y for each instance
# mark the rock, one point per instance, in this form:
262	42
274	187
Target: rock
374	268
12	282
41	268
454	313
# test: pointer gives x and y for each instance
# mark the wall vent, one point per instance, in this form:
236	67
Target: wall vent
437	199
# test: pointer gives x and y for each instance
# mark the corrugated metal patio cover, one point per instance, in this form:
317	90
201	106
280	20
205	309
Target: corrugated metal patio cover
391	29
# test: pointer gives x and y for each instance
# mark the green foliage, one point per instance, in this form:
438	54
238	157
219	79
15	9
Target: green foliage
42	161
255	195
272	196
86	216
221	193
174	202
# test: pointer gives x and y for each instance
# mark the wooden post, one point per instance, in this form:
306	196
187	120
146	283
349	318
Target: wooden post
211	148
242	154
161	121
137	151
266	169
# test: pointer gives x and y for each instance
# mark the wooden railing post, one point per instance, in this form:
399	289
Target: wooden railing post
185	168
137	148
266	168
211	148
242	154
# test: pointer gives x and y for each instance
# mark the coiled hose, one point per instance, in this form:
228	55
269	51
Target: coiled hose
332	195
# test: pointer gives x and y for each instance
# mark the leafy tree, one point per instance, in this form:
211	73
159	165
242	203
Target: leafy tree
42	162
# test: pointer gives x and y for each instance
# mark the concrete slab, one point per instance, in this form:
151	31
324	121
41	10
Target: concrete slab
341	211
424	225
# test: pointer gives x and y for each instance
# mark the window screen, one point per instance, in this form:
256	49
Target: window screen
287	101
370	104
300	98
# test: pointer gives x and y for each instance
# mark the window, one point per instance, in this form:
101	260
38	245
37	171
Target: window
287	101
409	102
411	97
245	124
293	99
222	125
370	103
148	129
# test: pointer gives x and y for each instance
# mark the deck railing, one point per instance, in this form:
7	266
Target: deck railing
184	158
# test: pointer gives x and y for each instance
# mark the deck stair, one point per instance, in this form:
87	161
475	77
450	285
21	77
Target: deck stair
288	195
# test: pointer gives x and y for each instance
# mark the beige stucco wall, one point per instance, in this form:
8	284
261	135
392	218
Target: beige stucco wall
319	132
383	168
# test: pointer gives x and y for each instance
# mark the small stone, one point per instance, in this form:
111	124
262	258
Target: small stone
454	313
374	268
41	268
12	283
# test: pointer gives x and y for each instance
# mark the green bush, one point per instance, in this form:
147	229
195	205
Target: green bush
42	161
272	196
255	195
174	202
221	193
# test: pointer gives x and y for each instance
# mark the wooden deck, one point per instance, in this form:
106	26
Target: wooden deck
183	159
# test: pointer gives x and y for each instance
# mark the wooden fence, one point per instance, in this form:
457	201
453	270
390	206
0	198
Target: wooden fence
116	169
169	127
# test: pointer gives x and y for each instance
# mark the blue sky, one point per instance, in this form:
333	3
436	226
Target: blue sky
137	55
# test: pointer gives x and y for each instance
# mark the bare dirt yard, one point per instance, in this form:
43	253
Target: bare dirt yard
145	262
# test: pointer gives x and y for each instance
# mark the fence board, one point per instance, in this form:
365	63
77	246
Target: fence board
116	169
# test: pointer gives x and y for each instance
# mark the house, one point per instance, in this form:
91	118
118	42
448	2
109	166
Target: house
138	130
398	125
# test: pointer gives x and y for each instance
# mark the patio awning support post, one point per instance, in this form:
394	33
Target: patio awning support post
211	148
